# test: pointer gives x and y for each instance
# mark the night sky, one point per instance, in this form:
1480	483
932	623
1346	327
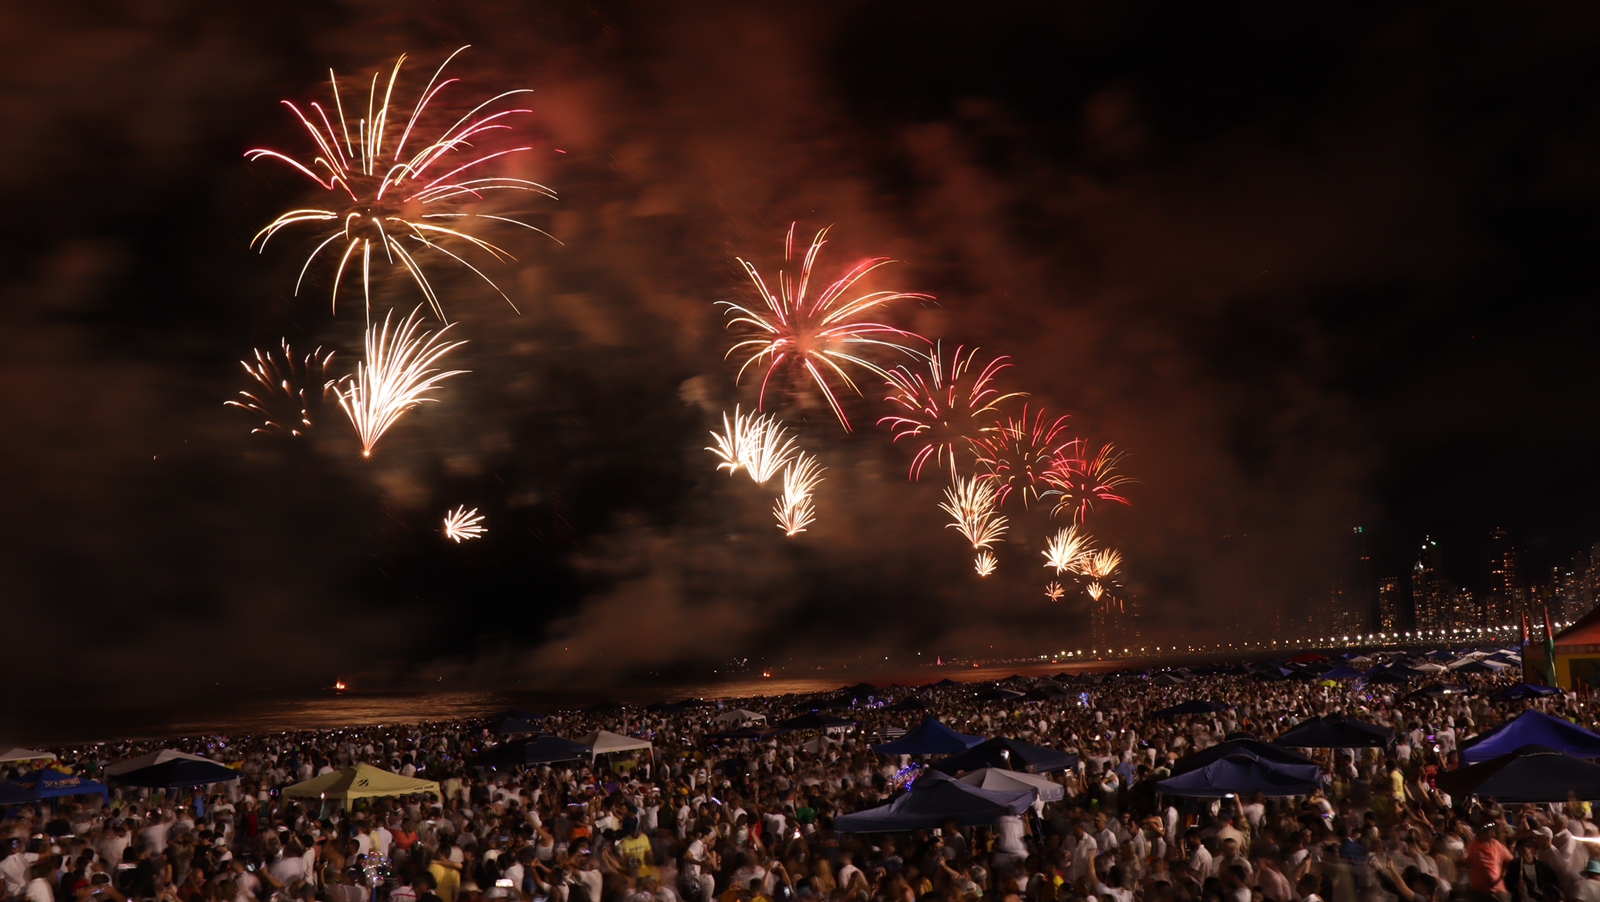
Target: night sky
1311	266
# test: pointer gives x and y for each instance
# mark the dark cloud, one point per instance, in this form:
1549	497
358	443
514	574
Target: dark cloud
1308	272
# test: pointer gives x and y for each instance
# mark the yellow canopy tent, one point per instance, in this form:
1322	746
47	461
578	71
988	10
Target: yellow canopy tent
363	781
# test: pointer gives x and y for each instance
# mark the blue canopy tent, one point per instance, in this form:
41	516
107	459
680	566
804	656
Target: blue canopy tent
1236	774
511	723
1335	733
48	784
1532	728
1013	754
1194	706
935	798
1529	774
168	769
1521	691
538	750
1284	760
929	738
1342	672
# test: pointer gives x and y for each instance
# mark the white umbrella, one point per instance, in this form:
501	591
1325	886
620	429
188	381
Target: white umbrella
741	716
20	754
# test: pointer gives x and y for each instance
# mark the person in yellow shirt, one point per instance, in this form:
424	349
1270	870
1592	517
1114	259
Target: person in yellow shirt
446	876
634	849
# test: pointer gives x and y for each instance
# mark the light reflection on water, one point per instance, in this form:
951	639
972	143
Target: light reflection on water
357	709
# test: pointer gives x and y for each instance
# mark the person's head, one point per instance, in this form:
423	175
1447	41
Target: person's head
1526	848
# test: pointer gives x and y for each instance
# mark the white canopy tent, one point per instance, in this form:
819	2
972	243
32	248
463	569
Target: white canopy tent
21	754
154	758
606	742
740	716
995	779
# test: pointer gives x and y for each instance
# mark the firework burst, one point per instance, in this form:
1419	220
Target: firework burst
398	369
971	504
754	442
1095	590
1054	591
984	564
290	390
1102	564
462	524
391	203
945	412
1068	551
1082	479
795	509
820	335
1019	454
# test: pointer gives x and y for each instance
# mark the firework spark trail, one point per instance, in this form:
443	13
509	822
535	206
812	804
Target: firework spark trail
290	391
795	509
1068	551
946	413
971	503
398	369
462	524
397	203
817	335
1081	479
1054	591
1019	454
984	564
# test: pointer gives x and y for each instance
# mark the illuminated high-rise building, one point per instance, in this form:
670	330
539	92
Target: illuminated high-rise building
1507	598
1429	593
1391	613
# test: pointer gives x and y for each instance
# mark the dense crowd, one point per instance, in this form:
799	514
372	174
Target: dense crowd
706	818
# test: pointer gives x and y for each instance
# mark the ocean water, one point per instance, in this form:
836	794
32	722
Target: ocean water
330	710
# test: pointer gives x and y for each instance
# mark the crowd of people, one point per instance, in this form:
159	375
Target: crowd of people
703	817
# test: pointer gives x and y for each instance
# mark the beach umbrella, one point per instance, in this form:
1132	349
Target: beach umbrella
1342	672
168	769
1234	775
1530	774
20	754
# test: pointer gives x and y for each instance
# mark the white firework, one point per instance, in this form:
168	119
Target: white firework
462	524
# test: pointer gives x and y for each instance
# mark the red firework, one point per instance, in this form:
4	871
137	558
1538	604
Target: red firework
1019	454
818	335
946	413
1081	479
